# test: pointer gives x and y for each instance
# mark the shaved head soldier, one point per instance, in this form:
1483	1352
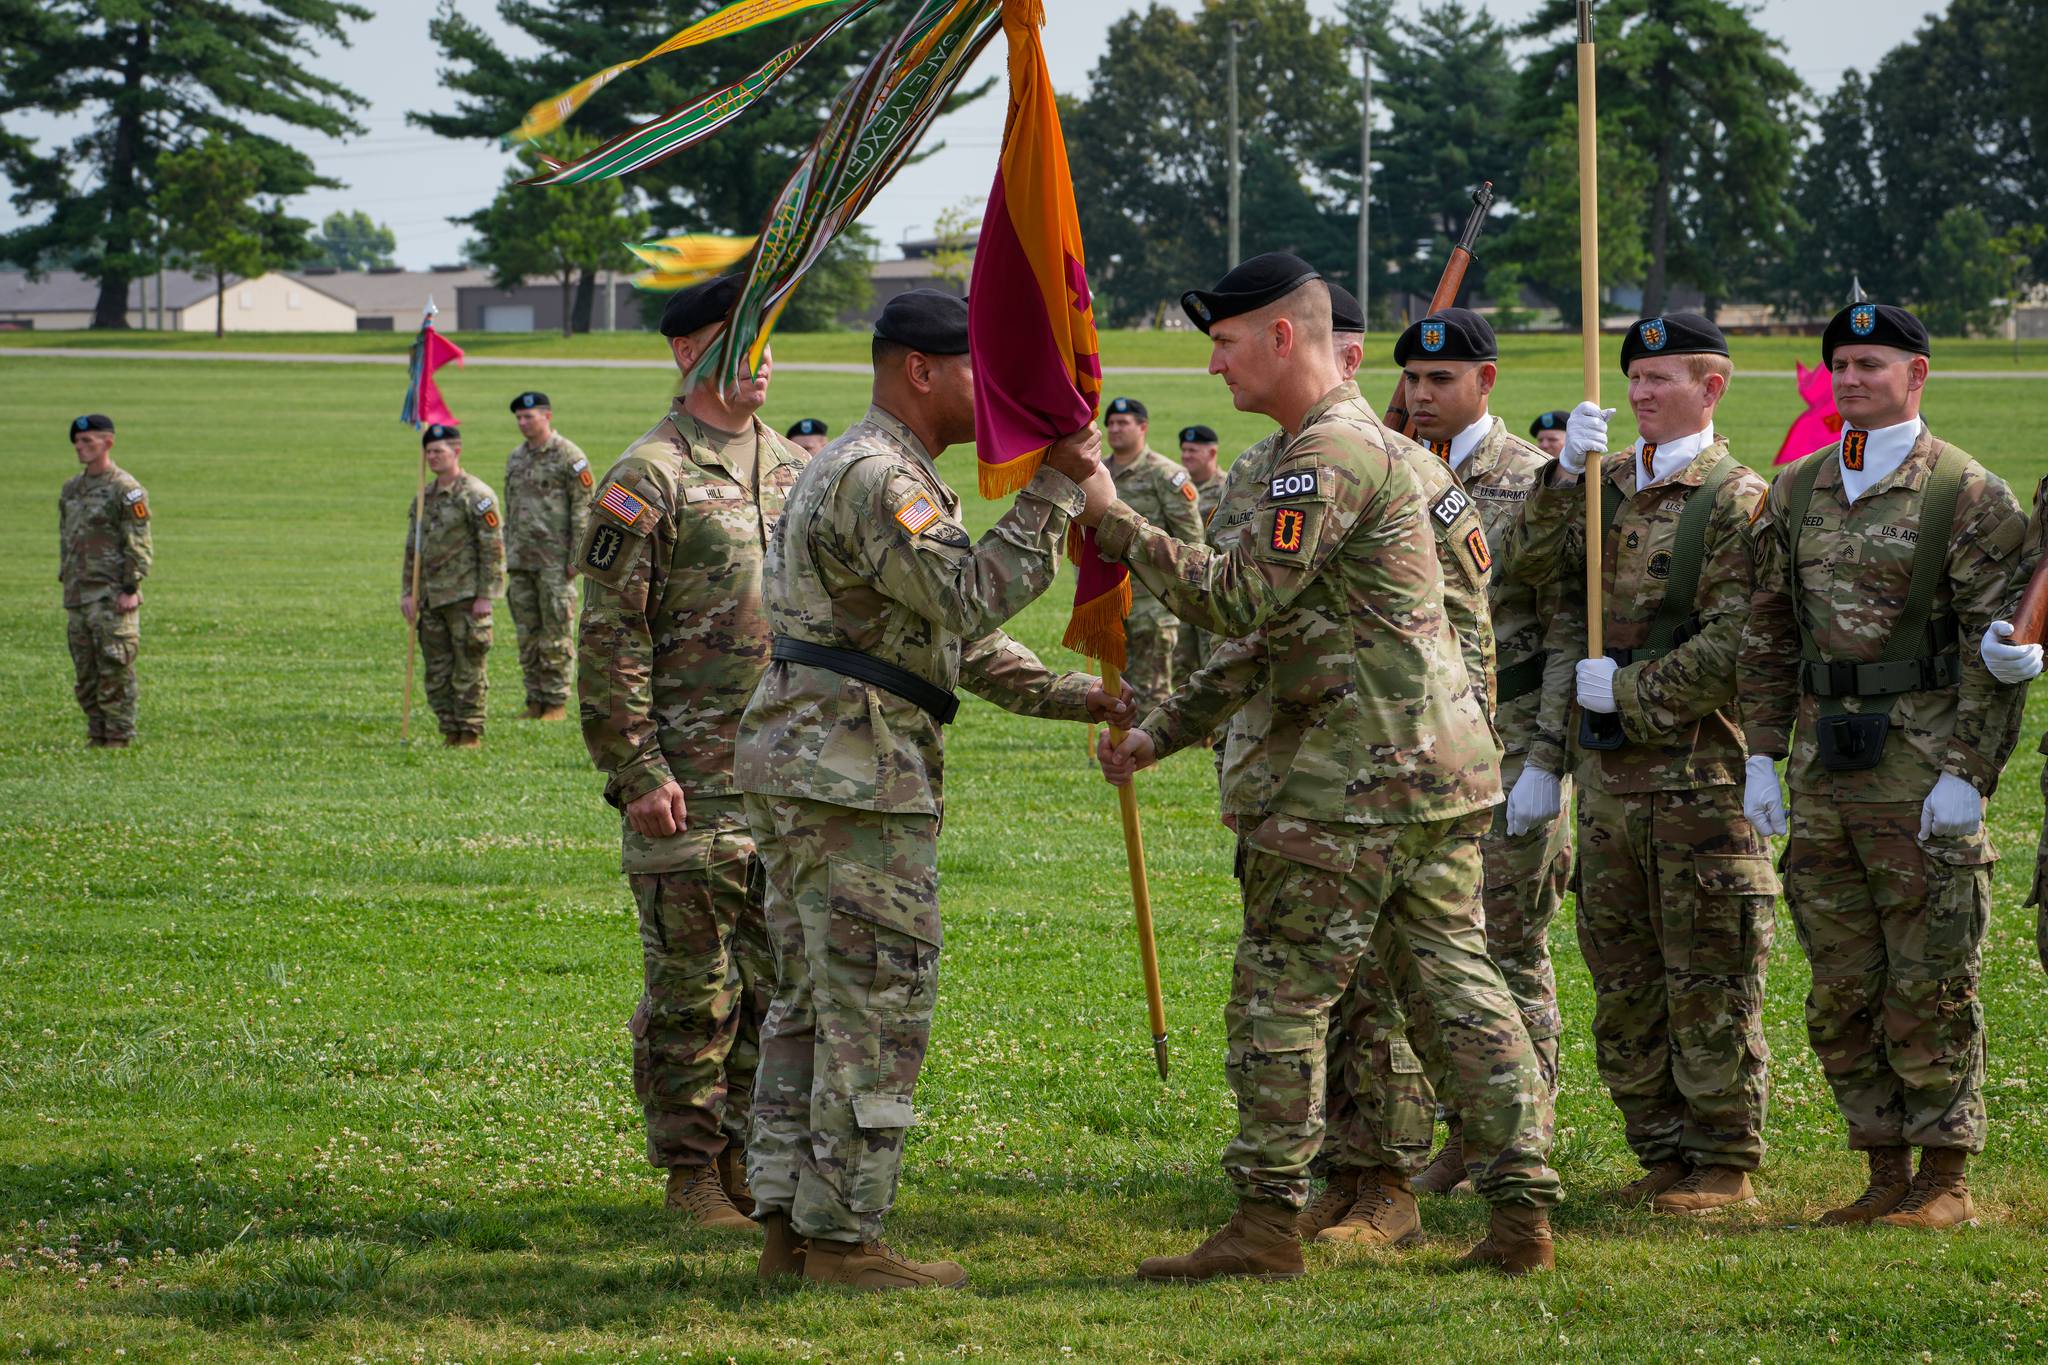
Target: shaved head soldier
548	487
461	544
104	554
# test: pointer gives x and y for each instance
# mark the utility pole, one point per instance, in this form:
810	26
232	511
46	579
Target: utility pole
1365	187
1236	240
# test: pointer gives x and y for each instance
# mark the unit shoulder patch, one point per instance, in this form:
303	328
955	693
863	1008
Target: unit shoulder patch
138	502
1452	505
1290	525
487	509
946	533
581	469
1305	482
1482	553
605	544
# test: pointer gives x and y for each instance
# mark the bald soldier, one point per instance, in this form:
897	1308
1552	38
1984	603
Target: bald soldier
103	554
673	639
1381	771
880	605
1677	898
1164	492
548	487
459	536
1880	558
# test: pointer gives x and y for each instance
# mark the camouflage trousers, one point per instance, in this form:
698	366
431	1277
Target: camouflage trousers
2036	897
544	613
1151	639
1525	881
104	641
707	971
453	645
1894	927
1677	908
853	918
1314	896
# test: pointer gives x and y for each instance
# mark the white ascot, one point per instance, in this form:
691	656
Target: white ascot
1884	450
1467	441
1670	457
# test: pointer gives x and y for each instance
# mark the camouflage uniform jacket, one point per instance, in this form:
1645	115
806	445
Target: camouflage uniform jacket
1160	491
1855	560
1209	496
1374	718
1500	474
872	557
102	535
1678	711
462	547
672	638
547	505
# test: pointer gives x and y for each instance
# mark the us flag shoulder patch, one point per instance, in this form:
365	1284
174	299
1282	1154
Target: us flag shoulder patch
1290	525
623	505
917	514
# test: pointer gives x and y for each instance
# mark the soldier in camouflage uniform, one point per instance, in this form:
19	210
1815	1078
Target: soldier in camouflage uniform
547	512
672	641
1896	736
809	434
461	545
1677	896
1547	431
1379	769
879	604
103	554
1198	448
1160	490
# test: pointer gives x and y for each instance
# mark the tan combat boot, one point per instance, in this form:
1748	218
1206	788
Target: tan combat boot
1445	1174
1939	1197
695	1190
1652	1183
732	1176
1258	1242
1891	1175
782	1251
1328	1208
1384	1214
112	743
532	711
872	1267
551	713
1517	1241
1707	1189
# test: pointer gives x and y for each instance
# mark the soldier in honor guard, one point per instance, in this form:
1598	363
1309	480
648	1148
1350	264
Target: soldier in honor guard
460	539
548	487
103	554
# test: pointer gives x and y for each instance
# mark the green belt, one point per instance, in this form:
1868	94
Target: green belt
1519	680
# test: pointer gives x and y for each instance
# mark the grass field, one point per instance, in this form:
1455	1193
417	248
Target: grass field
312	1045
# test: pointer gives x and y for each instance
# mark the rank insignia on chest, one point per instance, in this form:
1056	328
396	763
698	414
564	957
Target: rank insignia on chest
605	544
917	514
1634	540
138	503
1482	553
1450	506
623	505
487	508
1853	444
1660	565
1289	526
581	469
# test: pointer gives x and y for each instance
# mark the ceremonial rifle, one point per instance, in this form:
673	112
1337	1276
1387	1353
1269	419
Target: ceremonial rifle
1589	319
2029	621
1447	286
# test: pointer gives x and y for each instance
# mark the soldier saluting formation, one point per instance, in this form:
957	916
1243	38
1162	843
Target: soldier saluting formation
462	567
672	641
103	554
547	510
1381	774
880	604
1163	491
1677	897
1876	556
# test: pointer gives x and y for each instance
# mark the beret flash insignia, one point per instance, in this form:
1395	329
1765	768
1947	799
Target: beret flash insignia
1863	319
1432	337
1655	337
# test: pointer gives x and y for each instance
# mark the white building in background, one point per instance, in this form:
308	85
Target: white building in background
63	300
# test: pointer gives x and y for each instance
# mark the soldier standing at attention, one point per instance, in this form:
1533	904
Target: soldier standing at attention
1380	774
808	435
1677	899
1547	431
103	554
1198	448
880	604
462	567
1876	556
547	511
672	641
1160	490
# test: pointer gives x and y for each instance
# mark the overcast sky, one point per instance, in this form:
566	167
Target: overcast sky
414	181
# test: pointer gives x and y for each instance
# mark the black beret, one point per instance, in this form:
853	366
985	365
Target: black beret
928	320
1251	286
1129	407
439	431
1553	420
530	399
1345	314
1872	324
92	421
1672	334
808	426
1448	334
1197	435
699	306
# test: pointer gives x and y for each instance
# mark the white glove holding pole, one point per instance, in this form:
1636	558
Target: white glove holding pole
2008	663
1596	685
1952	808
1584	434
1534	801
1763	801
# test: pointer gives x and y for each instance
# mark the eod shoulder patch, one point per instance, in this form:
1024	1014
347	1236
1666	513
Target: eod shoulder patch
1448	508
1290	526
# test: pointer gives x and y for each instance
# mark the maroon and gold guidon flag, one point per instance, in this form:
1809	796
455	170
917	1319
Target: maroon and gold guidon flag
1031	323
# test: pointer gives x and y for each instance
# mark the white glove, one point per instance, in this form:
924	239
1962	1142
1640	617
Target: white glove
2009	663
1762	801
1534	801
1584	434
1596	685
1953	807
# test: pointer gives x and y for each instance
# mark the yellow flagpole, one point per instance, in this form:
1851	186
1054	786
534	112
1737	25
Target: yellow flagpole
1141	888
1589	316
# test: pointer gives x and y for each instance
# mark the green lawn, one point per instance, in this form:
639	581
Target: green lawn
314	1045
